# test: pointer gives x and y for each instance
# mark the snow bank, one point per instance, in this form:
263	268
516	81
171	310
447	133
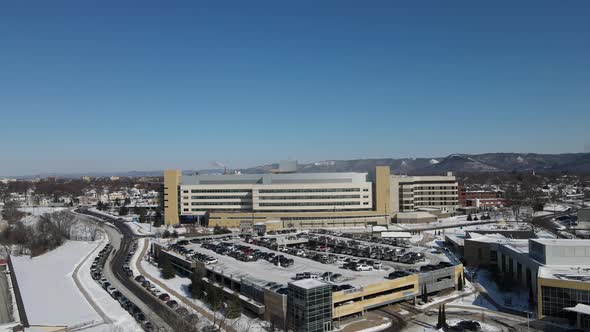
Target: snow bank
49	293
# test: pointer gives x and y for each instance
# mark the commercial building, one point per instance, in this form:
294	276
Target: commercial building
556	271
305	200
480	198
437	195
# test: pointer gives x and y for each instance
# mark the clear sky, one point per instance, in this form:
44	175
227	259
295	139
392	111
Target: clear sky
147	85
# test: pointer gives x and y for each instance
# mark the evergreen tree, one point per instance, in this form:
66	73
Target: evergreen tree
168	271
424	294
197	285
158	219
469	217
123	211
214	297
234	307
439	323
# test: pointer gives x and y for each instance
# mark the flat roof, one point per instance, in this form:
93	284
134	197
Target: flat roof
396	234
274	178
578	273
309	283
262	272
563	242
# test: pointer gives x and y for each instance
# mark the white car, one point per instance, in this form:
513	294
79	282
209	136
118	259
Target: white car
377	265
211	261
364	267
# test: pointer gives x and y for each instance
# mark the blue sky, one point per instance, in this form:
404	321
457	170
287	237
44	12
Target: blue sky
144	85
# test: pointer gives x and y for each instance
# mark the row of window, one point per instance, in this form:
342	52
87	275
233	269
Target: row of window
555	299
219	197
310	197
313	204
195	191
244	202
316	190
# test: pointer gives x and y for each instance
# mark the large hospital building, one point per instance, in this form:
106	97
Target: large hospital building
286	199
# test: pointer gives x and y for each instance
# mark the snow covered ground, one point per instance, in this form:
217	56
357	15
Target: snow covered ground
34	212
517	299
555	207
49	293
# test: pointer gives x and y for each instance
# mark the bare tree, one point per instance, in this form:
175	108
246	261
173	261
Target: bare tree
64	220
11	213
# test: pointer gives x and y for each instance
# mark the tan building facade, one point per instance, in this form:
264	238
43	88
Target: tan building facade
415	193
293	200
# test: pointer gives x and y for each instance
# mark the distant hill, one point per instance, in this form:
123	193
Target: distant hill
457	163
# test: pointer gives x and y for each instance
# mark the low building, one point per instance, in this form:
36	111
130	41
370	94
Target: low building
557	271
414	217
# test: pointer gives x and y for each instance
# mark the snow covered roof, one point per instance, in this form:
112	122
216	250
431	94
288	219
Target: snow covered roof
580	308
577	273
396	234
309	283
379	229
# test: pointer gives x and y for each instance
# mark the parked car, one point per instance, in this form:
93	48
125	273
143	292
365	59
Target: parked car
164	297
172	304
364	267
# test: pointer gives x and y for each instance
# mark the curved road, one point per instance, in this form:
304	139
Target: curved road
156	310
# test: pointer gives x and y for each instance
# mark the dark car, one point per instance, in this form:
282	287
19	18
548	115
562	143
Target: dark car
140	278
148	326
182	311
164	297
139	317
469	325
172	304
192	319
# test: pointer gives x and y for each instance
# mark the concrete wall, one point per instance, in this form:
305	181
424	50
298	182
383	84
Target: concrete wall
300	219
476	253
362	297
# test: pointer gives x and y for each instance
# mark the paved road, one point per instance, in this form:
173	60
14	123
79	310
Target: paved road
546	223
157	311
130	293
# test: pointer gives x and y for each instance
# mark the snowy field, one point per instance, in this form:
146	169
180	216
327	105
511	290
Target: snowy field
49	293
